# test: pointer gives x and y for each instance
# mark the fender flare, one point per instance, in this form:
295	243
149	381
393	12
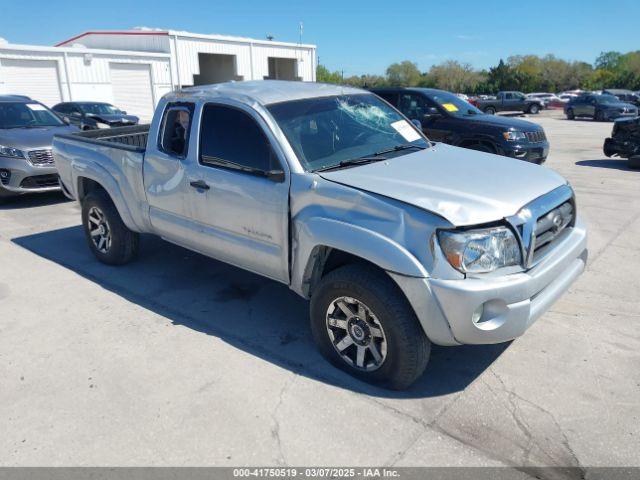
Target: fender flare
358	241
103	177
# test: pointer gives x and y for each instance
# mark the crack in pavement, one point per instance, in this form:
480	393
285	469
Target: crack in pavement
275	430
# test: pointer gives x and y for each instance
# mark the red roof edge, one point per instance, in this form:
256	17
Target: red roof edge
142	32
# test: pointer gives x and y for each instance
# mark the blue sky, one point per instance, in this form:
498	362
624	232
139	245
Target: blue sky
356	36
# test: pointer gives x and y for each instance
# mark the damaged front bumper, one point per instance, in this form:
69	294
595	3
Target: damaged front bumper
495	309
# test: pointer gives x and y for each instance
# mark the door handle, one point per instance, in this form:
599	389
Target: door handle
200	185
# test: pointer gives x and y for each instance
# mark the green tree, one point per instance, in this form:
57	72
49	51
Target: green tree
323	75
403	74
453	76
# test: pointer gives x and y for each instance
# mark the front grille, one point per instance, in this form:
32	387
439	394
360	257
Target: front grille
41	157
41	181
550	227
536	137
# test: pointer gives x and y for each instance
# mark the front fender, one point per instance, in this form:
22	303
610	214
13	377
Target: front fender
360	242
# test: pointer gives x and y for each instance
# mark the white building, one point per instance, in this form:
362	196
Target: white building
133	69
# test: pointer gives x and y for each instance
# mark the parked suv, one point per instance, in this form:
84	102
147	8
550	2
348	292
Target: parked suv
599	107
446	118
27	128
92	115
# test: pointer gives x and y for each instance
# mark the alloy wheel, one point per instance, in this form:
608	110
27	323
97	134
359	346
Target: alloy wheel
99	230
356	334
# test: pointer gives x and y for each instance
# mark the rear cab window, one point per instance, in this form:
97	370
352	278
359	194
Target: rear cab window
175	130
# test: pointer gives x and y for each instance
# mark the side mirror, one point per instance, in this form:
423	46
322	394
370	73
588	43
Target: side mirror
417	123
123	112
66	120
276	176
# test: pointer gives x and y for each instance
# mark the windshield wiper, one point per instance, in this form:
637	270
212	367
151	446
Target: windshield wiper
351	162
398	148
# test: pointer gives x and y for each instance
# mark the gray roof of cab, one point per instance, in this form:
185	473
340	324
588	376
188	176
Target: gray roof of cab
265	92
15	98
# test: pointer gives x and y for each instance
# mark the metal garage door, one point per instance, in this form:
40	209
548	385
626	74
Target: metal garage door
35	78
131	85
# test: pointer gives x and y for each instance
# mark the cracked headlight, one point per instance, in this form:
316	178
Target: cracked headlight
481	250
11	152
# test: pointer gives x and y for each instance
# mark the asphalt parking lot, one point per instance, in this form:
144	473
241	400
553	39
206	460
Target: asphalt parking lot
181	360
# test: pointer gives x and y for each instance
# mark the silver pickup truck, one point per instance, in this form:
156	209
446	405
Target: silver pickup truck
397	241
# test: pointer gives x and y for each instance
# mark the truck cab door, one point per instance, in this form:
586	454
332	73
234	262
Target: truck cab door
510	102
165	172
239	191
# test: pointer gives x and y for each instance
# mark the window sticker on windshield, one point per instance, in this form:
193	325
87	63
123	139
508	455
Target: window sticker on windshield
450	107
36	107
406	130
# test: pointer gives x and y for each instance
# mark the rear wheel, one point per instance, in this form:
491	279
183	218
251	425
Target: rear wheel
570	114
534	109
490	111
599	117
362	324
108	237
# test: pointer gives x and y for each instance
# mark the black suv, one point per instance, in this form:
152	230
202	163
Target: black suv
446	118
92	115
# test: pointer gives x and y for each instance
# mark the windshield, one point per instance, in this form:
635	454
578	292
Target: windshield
99	109
453	105
26	115
325	132
607	99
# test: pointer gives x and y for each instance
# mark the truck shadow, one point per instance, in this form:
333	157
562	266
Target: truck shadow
614	163
251	313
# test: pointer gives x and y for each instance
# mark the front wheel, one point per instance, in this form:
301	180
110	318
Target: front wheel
108	237
362	324
534	109
599	117
570	114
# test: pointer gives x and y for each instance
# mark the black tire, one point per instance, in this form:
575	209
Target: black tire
599	116
570	114
634	162
123	244
490	111
407	346
534	109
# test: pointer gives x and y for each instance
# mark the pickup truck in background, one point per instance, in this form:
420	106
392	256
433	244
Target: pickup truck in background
397	242
510	102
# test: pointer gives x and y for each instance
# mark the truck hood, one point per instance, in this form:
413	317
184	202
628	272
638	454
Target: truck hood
464	186
32	138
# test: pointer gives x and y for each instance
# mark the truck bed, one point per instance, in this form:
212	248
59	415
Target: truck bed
111	157
129	138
